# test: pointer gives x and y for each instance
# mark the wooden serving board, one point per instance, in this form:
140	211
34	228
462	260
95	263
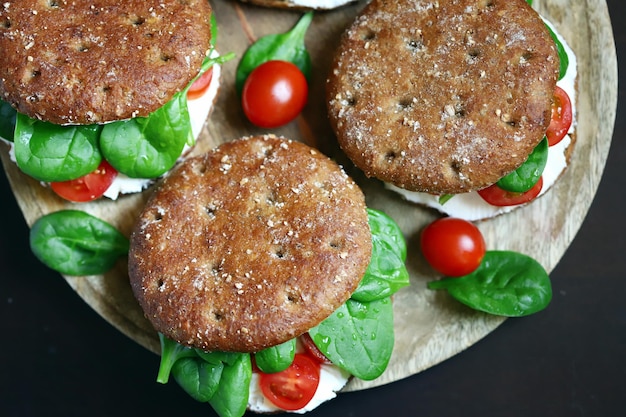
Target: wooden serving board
430	327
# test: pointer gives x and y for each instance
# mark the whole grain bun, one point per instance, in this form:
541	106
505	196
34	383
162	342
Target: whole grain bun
249	245
77	62
442	96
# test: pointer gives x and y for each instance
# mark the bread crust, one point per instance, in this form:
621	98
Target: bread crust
91	62
442	96
249	245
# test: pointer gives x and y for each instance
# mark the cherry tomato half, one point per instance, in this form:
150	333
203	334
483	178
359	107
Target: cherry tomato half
496	196
200	85
453	246
313	350
88	187
561	117
274	93
293	388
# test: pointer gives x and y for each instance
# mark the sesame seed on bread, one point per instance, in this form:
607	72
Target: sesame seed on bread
249	245
83	62
442	96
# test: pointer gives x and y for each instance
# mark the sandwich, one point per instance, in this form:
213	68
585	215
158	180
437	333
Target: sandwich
443	99
265	275
95	94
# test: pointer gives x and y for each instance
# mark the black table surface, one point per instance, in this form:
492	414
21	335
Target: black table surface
59	358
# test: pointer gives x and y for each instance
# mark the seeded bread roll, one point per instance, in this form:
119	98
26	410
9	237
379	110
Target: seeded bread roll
249	245
442	96
77	62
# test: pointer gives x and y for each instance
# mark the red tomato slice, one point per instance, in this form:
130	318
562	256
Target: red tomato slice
561	119
454	247
496	196
88	187
274	94
293	388
198	88
313	350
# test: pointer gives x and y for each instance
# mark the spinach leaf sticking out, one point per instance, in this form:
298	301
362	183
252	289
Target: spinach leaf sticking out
73	242
7	121
506	284
170	353
358	337
220	378
288	46
443	199
147	147
276	358
386	272
49	152
527	175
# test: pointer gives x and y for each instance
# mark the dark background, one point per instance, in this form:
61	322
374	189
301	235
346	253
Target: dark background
59	358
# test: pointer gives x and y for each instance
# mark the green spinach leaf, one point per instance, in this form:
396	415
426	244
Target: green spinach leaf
198	378
220	378
443	199
7	121
148	147
527	175
49	152
288	46
386	272
385	228
505	284
171	352
73	242
214	31
358	337
276	358
231	397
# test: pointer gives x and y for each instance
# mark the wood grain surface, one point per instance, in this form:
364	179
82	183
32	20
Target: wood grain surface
430	327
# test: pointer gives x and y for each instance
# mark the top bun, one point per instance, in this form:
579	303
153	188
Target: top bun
78	62
249	246
442	96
